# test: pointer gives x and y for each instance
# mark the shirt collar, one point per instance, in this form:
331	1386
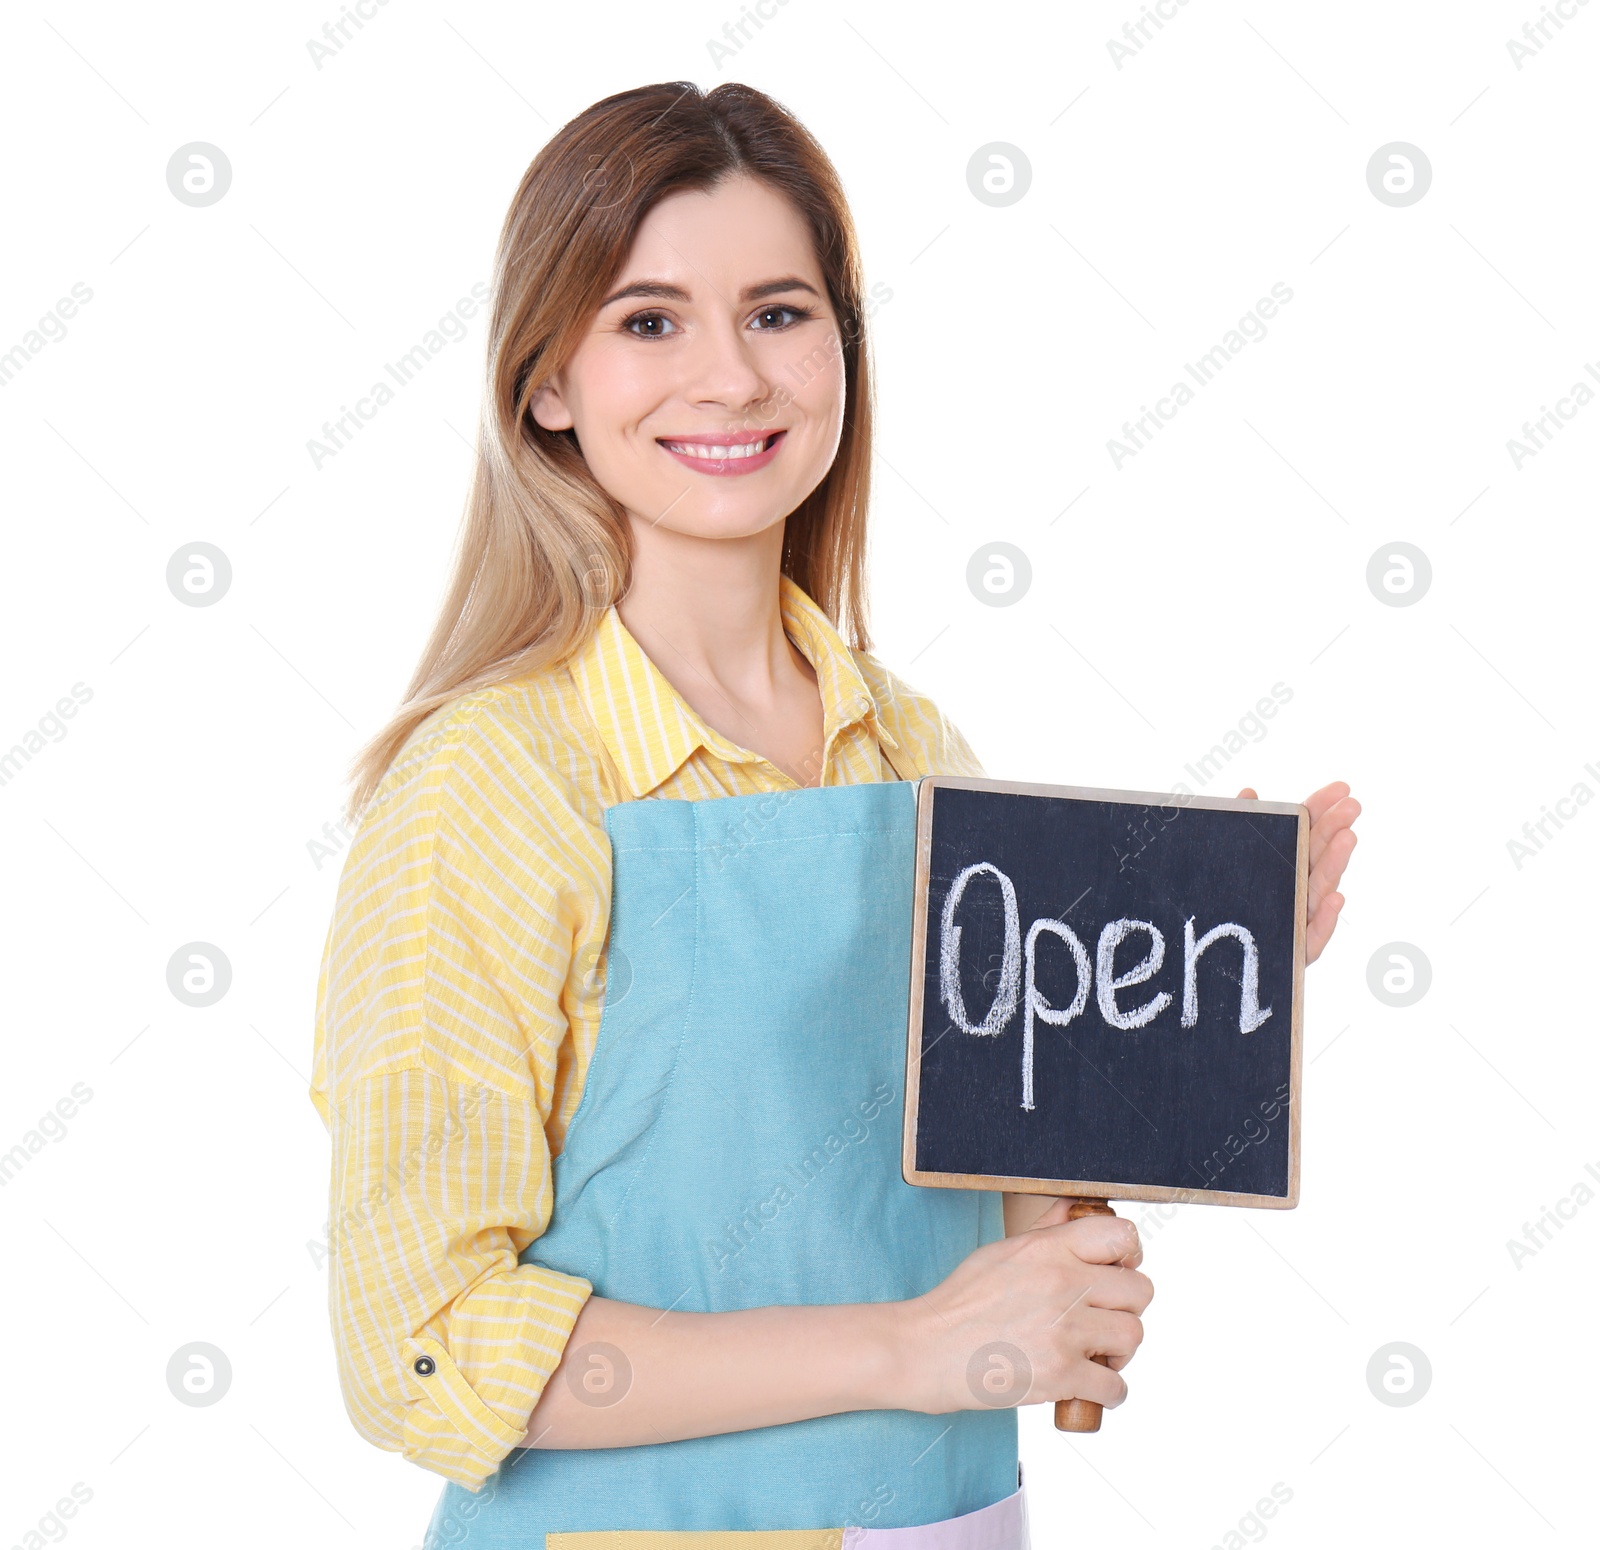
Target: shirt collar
650	730
845	695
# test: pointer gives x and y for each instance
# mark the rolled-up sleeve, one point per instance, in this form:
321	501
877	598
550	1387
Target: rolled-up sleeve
442	1009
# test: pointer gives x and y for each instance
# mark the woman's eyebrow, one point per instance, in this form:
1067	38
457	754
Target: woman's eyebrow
662	290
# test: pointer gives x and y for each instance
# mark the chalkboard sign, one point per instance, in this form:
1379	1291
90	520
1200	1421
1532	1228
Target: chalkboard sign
1106	993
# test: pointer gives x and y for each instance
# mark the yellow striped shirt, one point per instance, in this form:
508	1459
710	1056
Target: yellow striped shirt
459	1001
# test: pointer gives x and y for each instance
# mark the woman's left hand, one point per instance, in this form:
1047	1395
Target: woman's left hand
1332	811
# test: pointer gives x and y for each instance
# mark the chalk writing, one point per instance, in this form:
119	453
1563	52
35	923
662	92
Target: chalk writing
1018	977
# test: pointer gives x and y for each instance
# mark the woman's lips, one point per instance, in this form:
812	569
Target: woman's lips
734	459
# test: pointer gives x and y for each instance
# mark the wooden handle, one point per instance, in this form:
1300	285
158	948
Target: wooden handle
1082	1415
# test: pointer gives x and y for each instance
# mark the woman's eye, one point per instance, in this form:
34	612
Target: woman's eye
656	325
794	312
656	321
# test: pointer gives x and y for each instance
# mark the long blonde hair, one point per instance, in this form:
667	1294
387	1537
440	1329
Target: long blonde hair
544	550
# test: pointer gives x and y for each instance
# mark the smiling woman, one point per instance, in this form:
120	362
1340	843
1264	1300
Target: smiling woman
648	734
633	373
725	216
675	409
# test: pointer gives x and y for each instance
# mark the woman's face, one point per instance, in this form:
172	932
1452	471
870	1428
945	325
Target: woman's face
708	395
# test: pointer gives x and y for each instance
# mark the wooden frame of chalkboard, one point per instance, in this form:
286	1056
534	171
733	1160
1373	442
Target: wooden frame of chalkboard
928	788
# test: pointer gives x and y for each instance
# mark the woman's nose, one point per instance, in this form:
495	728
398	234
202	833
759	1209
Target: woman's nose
723	370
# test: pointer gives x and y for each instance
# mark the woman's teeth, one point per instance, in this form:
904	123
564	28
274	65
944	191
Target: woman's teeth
697	449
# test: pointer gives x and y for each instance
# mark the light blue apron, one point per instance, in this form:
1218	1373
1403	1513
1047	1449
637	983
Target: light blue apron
738	1145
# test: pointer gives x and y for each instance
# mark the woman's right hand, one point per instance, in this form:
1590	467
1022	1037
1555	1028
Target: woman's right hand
1017	1322
1020	1320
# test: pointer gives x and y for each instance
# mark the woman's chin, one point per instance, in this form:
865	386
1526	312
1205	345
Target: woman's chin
741	520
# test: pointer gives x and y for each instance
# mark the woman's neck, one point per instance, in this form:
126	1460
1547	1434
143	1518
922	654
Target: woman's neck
707	613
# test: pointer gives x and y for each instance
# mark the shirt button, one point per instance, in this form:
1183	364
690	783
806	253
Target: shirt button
424	1365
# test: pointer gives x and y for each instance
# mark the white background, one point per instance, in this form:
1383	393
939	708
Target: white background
1167	196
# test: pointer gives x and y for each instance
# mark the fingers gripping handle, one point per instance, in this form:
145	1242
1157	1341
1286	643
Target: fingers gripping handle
1082	1415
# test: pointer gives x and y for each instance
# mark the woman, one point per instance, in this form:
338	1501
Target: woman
572	1039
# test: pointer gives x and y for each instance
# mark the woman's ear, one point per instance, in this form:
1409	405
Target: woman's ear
549	409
